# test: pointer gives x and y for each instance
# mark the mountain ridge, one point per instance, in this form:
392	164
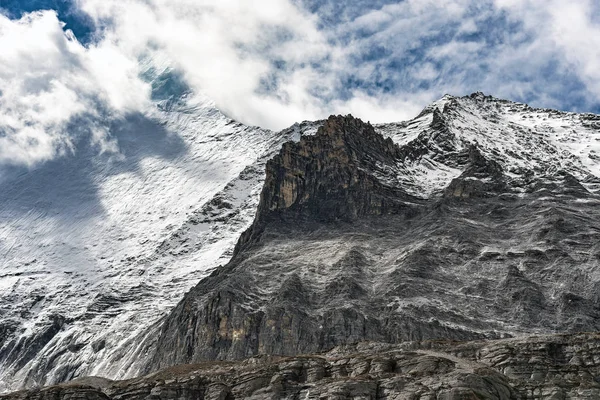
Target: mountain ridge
547	367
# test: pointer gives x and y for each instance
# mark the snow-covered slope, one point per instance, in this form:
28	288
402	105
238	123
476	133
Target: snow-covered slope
518	137
96	248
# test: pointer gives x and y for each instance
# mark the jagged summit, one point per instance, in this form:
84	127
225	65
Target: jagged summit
343	172
529	144
333	174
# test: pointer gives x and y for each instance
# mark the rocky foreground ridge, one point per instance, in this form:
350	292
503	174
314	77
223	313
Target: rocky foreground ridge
544	367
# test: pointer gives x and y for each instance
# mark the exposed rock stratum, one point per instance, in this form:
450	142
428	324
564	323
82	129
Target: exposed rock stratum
544	367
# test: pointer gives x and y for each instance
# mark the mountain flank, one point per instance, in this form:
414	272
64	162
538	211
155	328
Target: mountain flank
340	253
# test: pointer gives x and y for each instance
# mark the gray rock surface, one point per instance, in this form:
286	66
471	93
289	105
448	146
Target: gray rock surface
476	219
544	367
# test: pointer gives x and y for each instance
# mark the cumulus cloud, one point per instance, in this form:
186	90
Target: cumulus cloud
568	29
283	61
48	78
225	49
542	52
270	65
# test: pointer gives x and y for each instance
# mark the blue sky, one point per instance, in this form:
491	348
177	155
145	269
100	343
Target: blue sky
275	62
68	12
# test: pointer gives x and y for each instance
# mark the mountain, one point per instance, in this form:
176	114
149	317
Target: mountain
476	220
340	252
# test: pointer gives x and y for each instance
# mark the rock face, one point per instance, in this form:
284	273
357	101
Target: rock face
331	175
545	367
481	178
340	253
335	175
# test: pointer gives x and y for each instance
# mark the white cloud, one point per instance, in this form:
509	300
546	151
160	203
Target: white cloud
223	48
378	109
576	34
562	32
47	78
226	49
274	63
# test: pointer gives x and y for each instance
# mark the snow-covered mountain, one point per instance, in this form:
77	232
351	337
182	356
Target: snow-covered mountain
343	249
518	137
97	248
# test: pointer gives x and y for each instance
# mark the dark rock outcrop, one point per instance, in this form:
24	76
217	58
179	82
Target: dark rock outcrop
332	175
481	178
344	172
22	351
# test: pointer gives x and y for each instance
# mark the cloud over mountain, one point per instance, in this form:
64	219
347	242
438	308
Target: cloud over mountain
283	61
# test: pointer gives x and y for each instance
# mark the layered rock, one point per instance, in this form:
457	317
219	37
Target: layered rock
545	367
344	172
330	176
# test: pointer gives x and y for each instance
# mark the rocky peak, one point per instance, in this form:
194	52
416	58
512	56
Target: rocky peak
333	175
438	121
480	96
